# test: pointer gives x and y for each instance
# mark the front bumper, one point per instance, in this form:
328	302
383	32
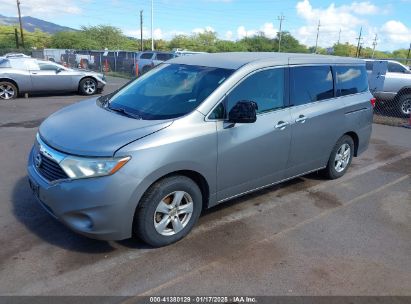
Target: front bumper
98	208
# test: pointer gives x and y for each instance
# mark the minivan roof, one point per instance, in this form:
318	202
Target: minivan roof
235	60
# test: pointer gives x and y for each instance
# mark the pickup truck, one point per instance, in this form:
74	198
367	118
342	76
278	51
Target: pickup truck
396	90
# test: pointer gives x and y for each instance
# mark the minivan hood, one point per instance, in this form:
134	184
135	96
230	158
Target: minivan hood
86	129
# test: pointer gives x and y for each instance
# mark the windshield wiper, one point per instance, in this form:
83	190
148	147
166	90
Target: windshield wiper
125	112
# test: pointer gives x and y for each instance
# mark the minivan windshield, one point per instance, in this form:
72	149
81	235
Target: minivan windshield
168	91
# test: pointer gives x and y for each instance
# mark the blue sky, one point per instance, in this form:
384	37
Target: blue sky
234	19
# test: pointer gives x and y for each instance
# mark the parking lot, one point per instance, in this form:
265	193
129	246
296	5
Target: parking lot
309	236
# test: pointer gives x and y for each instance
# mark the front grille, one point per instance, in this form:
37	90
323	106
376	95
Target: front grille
51	170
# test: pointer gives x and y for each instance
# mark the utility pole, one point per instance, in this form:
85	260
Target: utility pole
152	22
408	55
318	32
374	45
359	43
21	24
281	19
141	30
16	36
339	37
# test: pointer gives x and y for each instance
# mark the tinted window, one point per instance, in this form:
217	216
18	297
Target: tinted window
4	63
266	88
169	91
395	67
351	80
146	56
47	67
164	57
310	84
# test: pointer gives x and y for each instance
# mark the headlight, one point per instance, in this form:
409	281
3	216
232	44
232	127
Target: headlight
82	167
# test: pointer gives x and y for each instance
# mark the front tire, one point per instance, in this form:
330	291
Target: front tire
88	86
168	211
340	158
8	90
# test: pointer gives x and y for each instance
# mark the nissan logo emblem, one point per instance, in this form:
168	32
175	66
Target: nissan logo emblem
37	160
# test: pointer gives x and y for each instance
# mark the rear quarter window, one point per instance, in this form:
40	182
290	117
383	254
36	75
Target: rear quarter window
351	80
310	84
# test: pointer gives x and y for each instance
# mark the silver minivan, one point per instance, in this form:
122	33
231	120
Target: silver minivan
194	132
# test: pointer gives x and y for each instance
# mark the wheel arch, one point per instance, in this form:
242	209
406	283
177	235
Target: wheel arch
86	77
356	140
196	177
403	91
12	81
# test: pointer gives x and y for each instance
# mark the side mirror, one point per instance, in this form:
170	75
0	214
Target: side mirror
59	70
244	111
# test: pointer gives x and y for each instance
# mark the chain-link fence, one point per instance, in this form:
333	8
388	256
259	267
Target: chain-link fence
117	63
393	110
390	83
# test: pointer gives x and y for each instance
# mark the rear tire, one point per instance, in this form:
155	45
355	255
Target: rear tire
168	211
340	158
8	90
88	86
404	105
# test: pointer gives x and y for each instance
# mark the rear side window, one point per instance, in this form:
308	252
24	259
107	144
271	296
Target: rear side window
310	84
146	56
395	67
351	80
164	57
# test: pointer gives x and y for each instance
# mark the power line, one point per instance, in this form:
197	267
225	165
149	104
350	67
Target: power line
318	32
21	24
281	19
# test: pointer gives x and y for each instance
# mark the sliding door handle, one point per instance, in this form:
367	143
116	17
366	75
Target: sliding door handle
281	125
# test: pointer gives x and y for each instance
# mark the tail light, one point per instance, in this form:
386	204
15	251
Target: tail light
373	101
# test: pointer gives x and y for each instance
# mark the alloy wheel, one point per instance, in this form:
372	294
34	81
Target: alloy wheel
6	91
173	213
406	106
342	158
89	87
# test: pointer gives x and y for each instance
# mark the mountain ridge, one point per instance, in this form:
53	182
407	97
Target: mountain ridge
31	23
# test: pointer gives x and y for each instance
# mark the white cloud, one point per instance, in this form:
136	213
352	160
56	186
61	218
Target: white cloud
199	30
229	35
41	8
157	33
396	32
267	28
347	18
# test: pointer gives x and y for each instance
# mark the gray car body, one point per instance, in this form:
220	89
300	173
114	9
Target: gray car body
225	161
26	75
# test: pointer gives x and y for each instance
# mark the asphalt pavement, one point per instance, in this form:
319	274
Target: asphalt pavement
308	236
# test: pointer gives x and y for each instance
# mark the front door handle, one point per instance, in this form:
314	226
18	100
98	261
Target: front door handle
34	73
281	125
301	119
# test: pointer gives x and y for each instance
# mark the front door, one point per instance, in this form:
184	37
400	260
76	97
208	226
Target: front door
49	78
254	155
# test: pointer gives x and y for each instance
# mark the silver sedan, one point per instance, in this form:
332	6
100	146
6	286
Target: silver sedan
29	75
